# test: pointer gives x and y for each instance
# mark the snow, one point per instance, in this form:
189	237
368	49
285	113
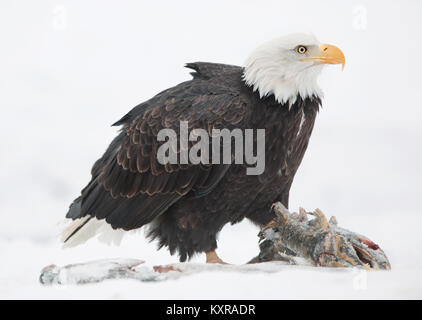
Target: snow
69	69
22	261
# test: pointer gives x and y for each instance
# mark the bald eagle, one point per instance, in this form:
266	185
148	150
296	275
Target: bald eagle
184	206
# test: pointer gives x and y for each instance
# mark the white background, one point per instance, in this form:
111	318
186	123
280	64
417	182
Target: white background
69	69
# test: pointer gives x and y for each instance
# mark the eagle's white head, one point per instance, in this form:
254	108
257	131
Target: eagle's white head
289	66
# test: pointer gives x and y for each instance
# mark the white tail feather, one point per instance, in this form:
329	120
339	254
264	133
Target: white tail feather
87	230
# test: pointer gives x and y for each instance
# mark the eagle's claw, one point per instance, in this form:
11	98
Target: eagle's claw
319	240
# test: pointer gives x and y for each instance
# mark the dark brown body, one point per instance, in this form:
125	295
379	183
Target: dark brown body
187	205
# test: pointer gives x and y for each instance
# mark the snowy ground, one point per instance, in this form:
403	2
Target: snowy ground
69	69
22	261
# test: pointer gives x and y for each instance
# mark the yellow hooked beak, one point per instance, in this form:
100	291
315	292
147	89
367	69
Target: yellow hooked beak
329	54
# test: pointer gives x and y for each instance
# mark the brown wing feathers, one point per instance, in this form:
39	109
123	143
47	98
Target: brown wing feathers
129	188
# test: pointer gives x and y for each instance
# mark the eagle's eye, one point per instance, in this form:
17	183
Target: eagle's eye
301	49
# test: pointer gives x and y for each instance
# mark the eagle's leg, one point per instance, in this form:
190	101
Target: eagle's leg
212	257
272	250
